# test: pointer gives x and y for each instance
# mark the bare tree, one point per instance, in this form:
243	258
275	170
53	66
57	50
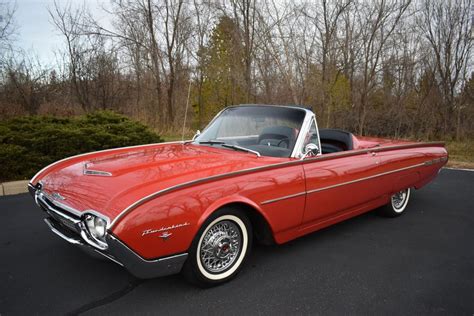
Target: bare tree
203	20
244	13
175	35
155	34
326	19
377	21
7	13
277	39
385	67
69	21
447	29
26	83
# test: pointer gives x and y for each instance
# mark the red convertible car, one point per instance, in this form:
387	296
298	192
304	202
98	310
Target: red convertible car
264	173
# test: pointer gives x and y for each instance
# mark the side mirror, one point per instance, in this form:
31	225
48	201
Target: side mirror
310	150
198	132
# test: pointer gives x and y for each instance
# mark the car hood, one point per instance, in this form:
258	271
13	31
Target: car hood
110	182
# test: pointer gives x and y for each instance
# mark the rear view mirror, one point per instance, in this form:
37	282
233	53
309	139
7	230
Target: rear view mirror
198	132
310	150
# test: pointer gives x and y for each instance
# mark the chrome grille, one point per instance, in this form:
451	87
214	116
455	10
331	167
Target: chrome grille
60	215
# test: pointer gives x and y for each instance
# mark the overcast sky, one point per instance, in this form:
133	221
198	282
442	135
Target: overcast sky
35	33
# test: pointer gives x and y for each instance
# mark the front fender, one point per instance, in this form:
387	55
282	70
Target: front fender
180	215
226	201
182	212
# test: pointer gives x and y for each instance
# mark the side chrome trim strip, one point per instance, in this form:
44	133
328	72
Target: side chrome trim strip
283	198
365	178
435	161
342	184
99	151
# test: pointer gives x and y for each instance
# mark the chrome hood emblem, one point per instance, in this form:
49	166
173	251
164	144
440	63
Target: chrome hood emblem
165	235
57	196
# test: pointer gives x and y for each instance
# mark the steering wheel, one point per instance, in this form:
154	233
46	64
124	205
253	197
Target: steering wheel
273	136
286	140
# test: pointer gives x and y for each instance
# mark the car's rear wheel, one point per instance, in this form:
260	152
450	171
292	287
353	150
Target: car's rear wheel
397	205
219	249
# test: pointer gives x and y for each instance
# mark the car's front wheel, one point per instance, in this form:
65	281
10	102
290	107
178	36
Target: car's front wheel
220	248
397	205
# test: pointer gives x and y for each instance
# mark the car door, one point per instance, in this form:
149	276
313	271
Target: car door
340	184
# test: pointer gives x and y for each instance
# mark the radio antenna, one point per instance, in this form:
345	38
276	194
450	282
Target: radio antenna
186	111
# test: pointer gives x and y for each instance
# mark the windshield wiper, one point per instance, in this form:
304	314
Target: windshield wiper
242	149
211	142
223	144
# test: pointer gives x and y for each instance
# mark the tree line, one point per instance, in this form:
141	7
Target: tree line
400	68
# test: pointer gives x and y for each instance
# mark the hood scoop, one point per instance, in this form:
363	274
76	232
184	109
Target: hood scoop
90	172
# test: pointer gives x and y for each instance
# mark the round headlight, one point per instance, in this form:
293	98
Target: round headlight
97	226
100	227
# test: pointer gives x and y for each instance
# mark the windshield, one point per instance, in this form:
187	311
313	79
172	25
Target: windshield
268	130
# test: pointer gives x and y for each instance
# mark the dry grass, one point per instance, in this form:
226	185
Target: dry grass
461	154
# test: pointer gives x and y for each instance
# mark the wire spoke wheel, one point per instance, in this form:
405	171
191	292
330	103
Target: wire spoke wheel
220	246
400	200
397	205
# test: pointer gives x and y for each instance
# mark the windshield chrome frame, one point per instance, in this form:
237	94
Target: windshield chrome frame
305	126
298	150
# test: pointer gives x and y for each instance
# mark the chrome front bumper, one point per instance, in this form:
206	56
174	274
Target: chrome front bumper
63	225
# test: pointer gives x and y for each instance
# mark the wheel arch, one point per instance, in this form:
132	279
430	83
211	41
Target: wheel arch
262	229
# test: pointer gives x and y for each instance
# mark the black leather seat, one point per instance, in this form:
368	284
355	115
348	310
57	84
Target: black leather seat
335	140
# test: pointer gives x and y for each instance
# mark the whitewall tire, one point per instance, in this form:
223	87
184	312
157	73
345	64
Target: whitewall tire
220	248
398	204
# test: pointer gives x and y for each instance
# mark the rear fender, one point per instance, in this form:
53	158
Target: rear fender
406	181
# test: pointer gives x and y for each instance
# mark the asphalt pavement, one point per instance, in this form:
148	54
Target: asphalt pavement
421	263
